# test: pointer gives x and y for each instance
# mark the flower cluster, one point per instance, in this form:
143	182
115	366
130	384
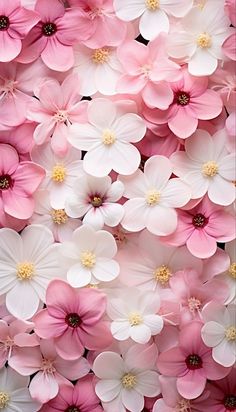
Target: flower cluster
117	206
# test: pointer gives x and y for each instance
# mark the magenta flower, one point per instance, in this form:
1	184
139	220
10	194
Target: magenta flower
73	319
18	182
15	24
52	38
191	362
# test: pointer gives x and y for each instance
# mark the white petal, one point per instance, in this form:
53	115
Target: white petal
129	10
125	158
36	240
140	333
132	400
154	322
78	276
83	136
106	270
94	218
109	365
108	389
221	191
152	23
22	301
162	221
148	384
175	194
202	63
101	113
120	330
224	353
136	212
130	128
158	170
112	213
98	161
212	333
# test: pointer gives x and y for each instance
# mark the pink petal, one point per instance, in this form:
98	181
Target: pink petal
192	384
201	245
172	362
158	95
48	327
207	106
27	178
22	21
57	56
55	10
43	387
68	345
9	159
9	47
182	124
17	205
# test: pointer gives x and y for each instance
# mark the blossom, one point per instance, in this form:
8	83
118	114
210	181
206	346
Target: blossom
27	263
107	139
219	332
58	106
190	362
125	381
211	170
154	14
21	138
229	48
152	198
18	182
95	198
88	257
73	319
199	39
222	393
14	395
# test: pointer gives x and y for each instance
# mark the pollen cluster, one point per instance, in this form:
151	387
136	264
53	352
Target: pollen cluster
88	259
58	173
129	381
25	270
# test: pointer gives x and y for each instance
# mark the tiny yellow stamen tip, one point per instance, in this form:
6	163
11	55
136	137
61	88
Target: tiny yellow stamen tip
4	399
210	169
108	137
58	173
25	270
230	333
101	56
204	40
232	270
59	216
194	304
129	381
135	319
61	116
162	275
152	4
88	259
96	201
153	197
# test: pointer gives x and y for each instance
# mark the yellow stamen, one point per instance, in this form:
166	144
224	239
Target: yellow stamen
58	173
210	169
129	381
108	137
4	399
101	56
135	319
152	4
162	275
230	333
59	216
25	270
204	40
153	197
88	259
232	270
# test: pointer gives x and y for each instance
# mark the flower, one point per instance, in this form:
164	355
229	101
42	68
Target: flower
125	381
74	319
18	182
27	263
207	167
222	393
152	198
88	257
107	139
219	332
14	392
95	198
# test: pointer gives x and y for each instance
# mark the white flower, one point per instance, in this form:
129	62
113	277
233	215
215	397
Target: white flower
107	137
88	257
14	393
27	264
134	315
61	225
125	382
61	172
94	198
219	332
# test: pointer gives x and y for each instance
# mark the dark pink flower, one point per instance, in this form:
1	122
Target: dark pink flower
222	394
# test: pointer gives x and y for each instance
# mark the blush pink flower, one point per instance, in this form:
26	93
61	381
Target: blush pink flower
52	38
74	319
201	228
18	182
191	362
222	394
193	101
21	138
15	24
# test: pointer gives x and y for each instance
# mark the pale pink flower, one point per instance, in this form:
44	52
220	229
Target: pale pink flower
123	382
207	167
152	198
95	198
21	138
229	47
107	139
50	370
154	14
57	107
223	81
159	140
219	332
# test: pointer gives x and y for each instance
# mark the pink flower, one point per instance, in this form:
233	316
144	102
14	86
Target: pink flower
231	11
18	182
229	47
193	101
80	397
15	24
73	319
191	362
21	138
52	38
222	394
201	228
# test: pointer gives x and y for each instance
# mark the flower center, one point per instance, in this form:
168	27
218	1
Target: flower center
204	40
49	29
129	381
230	402
47	366
59	216
193	362
8	343
108	137
61	116
101	56
184	405
152	4
96	201
194	304
135	319
232	270
4	22
230	333
182	98
199	221
72	408
73	320
4	399
119	236
5	182
153	197
210	169
58	173
25	270
88	259
162	274
146	70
